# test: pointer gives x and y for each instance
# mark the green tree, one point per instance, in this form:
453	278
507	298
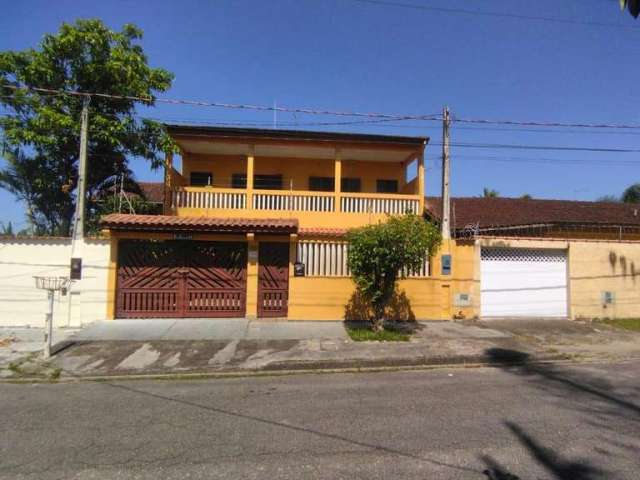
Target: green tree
526	196
489	193
632	194
6	229
41	136
632	5
379	254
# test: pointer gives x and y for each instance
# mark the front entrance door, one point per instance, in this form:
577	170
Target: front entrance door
181	279
273	279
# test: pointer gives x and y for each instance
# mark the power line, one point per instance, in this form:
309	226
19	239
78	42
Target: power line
540	147
234	106
543	124
389	3
309	111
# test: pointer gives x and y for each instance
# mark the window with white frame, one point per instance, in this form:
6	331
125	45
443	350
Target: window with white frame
329	259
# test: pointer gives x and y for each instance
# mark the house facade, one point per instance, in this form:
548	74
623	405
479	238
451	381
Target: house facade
254	226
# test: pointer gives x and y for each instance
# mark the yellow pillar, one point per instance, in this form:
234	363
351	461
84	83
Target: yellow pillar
250	165
252	276
421	182
337	179
168	174
112	278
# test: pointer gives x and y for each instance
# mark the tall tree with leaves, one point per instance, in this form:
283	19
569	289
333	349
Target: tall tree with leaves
41	134
632	194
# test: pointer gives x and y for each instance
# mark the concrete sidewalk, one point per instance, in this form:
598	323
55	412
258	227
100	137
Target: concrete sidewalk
210	347
208	329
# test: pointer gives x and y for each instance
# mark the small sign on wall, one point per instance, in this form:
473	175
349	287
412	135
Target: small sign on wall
253	255
76	269
298	269
183	236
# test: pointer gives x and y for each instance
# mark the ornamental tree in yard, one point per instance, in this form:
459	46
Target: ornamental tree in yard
40	133
380	254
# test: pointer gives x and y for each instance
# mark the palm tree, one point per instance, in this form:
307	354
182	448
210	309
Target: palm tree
490	193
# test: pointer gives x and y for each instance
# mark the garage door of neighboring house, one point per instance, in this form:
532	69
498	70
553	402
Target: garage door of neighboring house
273	279
517	282
181	279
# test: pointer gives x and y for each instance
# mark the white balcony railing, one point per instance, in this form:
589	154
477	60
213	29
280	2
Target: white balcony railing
203	198
371	204
284	200
293	201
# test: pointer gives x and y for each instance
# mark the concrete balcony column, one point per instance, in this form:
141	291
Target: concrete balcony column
250	168
337	179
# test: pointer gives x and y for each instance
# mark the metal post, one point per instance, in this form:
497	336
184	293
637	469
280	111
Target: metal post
48	326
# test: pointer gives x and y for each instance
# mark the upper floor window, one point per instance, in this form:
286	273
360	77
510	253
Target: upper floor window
350	184
387	186
201	179
267	182
321	184
239	180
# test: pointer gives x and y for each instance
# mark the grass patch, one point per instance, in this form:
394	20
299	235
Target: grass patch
625	323
363	334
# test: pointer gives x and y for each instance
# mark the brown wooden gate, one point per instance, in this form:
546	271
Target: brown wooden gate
273	279
181	279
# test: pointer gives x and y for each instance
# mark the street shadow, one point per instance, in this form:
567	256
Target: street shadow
577	390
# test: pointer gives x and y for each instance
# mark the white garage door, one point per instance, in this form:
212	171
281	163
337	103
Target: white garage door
518	282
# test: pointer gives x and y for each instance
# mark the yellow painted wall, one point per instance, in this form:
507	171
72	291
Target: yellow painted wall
598	266
295	171
325	298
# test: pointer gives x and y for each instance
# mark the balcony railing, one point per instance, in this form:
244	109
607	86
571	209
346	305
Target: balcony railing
191	197
382	203
294	200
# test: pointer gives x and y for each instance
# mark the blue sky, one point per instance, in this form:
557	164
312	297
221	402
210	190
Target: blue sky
349	55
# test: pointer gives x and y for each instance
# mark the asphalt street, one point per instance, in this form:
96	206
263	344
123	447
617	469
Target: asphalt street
529	422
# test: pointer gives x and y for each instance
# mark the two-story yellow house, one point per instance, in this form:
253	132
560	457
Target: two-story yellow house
254	225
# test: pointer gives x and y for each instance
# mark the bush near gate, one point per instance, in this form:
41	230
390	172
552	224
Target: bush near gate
380	254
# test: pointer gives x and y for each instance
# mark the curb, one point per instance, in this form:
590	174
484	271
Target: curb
282	370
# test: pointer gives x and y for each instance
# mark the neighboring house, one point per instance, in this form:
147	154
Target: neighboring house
548	258
254	225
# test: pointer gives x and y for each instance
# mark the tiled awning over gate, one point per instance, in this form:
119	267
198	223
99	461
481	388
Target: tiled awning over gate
168	223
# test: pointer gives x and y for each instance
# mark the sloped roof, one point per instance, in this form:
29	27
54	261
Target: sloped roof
152	191
503	212
169	223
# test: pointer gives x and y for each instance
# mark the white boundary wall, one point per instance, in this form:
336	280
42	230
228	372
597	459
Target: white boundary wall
21	304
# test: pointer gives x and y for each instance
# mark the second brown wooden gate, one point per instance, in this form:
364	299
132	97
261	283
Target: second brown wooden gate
181	279
273	279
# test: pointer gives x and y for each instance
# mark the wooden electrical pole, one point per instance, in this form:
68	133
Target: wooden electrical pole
445	223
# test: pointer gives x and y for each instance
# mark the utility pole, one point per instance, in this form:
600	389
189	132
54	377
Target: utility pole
78	227
445	223
77	239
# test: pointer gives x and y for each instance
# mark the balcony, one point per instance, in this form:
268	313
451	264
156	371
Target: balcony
333	180
328	208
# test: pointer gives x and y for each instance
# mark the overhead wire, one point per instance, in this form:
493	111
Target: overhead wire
517	16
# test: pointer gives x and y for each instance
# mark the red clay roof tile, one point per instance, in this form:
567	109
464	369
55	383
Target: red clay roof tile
121	221
504	212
